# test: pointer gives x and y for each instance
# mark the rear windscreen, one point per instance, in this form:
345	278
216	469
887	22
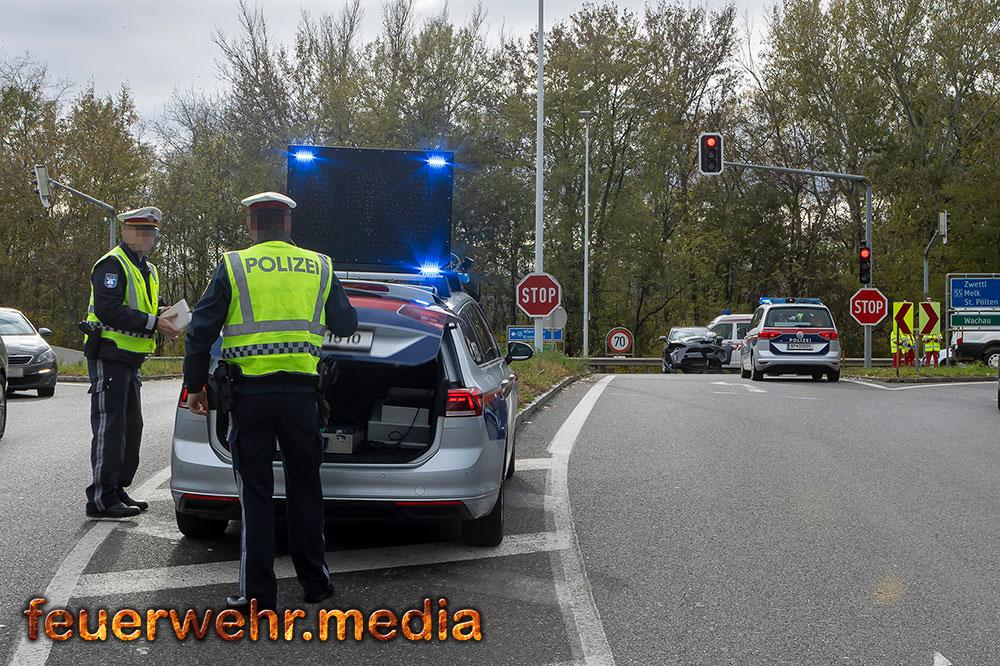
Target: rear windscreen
799	318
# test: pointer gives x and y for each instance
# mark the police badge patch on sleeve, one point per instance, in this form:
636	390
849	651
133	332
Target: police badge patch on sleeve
111	280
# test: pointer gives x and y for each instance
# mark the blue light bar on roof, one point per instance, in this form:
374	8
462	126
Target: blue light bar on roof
430	270
437	161
305	156
771	300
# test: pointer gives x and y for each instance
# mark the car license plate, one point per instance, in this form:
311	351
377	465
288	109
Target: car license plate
357	341
15	372
800	346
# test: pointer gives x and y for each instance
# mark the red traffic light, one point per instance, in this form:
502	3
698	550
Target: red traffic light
865	254
710	142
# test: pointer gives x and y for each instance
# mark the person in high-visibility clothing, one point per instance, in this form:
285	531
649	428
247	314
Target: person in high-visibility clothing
124	301
910	350
901	348
272	302
932	346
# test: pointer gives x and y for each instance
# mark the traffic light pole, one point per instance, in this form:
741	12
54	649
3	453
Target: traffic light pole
835	175
108	208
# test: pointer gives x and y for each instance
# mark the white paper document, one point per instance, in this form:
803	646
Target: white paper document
183	312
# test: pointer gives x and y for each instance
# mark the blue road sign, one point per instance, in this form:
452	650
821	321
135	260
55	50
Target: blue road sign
975	292
527	334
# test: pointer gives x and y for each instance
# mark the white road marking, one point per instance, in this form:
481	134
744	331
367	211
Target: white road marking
533	463
576	600
344	561
158	495
725	392
941	660
66	578
749	387
861	382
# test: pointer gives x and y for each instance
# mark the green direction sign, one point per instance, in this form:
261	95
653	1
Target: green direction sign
975	319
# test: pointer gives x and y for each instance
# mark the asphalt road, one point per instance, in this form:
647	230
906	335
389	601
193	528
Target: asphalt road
654	519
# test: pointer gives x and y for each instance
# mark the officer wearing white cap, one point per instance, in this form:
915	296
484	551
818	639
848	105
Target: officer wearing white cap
124	301
272	302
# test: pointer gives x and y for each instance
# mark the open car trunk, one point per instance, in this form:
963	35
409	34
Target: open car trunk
383	414
390	388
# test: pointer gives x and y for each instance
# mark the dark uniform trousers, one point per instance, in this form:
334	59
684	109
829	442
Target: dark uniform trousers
116	422
258	420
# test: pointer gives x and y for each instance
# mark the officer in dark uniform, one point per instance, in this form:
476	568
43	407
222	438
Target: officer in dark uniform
124	301
272	302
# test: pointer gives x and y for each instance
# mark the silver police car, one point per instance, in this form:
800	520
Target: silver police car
422	424
791	336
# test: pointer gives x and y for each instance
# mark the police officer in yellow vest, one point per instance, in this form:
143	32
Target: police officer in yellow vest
272	302
124	301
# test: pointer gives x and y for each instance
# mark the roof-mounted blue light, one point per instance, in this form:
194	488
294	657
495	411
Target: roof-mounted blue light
430	269
305	156
437	161
771	300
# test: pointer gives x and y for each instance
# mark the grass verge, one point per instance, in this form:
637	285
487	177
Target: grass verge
151	368
539	373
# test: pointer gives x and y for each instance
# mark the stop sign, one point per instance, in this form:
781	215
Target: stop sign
869	306
538	294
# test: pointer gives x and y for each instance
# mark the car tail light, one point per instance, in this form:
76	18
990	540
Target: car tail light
183	402
769	334
829	335
464	402
960	339
435	318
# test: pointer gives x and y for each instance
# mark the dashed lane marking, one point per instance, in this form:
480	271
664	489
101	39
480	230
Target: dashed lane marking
60	588
343	561
533	463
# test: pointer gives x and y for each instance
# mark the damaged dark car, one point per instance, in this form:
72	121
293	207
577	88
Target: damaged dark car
693	349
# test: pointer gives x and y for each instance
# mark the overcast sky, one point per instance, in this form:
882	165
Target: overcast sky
157	46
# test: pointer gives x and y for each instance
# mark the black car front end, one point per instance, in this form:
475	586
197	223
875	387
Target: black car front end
695	354
31	369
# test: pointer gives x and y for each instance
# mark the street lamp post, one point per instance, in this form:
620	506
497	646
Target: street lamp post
585	116
539	155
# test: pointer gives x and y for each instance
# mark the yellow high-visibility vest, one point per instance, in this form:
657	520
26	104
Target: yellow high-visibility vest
277	313
136	297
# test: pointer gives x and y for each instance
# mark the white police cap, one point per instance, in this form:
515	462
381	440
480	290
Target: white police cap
268	200
148	216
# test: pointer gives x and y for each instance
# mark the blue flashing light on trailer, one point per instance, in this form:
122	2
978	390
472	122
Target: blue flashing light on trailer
304	155
437	161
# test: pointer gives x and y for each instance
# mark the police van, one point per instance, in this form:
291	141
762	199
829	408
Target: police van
791	336
423	401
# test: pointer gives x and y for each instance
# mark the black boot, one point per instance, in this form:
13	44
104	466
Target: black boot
128	501
116	512
316	597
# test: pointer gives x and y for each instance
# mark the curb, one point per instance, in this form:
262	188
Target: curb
922	380
86	380
543	399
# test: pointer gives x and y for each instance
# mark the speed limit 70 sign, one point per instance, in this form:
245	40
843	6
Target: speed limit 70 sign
620	340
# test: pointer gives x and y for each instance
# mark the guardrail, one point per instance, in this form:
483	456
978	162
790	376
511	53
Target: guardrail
606	361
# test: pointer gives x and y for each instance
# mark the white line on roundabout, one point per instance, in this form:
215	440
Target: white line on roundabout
60	588
861	382
576	600
572	585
